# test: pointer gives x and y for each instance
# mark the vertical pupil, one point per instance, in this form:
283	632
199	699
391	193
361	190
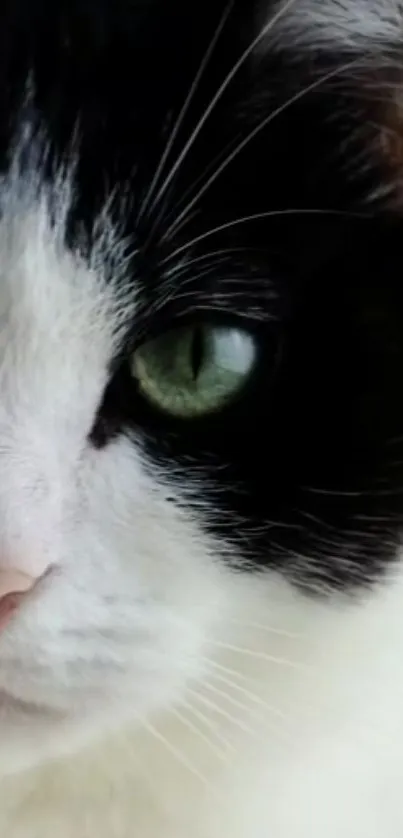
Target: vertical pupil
197	351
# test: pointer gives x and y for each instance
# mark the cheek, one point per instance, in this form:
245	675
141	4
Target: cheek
129	615
133	530
137	570
128	618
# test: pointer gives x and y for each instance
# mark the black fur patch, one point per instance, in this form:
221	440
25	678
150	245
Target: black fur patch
271	210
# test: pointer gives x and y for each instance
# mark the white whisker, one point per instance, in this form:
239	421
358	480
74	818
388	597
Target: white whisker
233	672
203	719
208	268
248	218
249	137
269	629
256	699
178	755
261	719
185	108
258	655
199	734
187	287
183	265
216	708
216	98
234	702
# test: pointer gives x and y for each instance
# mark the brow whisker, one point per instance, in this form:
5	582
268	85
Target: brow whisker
204	256
182	114
218	95
254	217
250	136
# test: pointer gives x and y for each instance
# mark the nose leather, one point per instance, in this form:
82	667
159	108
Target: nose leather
15	582
14	585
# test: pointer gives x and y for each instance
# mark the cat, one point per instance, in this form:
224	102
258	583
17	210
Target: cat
201	419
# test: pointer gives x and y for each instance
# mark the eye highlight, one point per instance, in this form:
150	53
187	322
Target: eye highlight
194	370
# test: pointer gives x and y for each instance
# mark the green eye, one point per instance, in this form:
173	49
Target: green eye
194	370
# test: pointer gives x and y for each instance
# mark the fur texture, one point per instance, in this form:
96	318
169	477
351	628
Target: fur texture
341	25
214	649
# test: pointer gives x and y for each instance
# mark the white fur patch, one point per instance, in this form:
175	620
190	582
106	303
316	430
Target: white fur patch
117	627
296	732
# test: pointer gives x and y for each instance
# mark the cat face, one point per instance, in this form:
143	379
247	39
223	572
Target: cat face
200	342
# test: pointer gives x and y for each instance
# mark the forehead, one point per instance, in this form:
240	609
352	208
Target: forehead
116	87
117	73
103	55
107	80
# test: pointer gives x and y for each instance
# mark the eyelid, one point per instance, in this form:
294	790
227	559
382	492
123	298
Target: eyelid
198	317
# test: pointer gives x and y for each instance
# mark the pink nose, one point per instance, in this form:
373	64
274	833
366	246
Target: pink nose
14	585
